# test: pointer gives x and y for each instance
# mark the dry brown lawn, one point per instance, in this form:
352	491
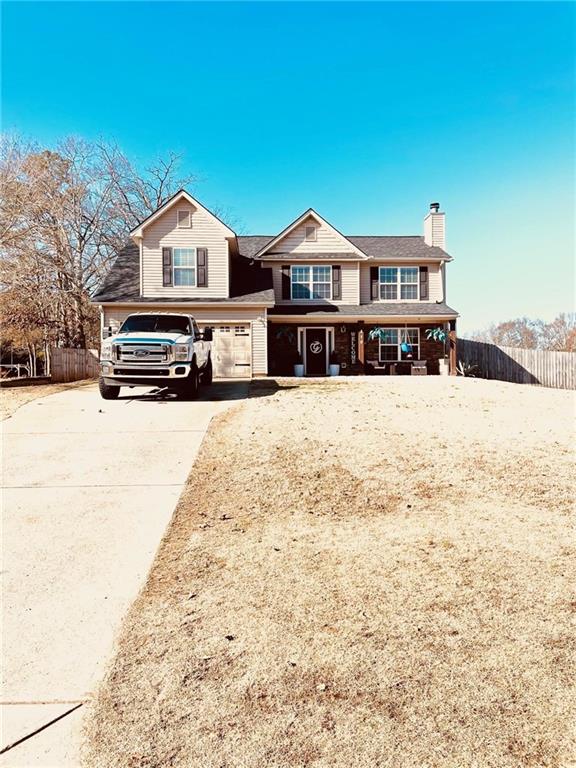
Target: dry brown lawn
11	398
362	574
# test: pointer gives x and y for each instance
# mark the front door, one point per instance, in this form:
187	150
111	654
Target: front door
315	351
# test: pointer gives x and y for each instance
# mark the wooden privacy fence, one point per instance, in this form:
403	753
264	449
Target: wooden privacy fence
521	366
73	364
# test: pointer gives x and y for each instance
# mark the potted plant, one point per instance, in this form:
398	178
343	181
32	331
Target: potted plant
439	334
298	365
334	364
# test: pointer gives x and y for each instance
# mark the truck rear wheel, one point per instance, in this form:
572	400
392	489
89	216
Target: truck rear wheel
107	391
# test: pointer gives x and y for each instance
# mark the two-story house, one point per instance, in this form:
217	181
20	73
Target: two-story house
308	291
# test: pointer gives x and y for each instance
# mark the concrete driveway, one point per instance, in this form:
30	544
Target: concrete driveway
89	488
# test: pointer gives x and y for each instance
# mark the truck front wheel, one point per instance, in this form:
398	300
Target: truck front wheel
189	388
207	373
107	391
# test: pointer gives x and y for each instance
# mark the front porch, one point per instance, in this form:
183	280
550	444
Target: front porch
316	345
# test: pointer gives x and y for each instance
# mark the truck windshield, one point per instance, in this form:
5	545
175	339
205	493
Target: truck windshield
156	324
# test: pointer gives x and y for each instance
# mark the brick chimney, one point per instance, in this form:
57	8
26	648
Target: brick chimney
435	227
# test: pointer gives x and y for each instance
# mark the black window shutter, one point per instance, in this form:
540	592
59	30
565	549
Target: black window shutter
423	283
285	281
166	266
202	258
336	282
374	282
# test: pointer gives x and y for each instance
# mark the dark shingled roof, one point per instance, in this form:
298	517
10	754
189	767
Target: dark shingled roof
397	247
378	309
374	246
123	278
249	245
249	283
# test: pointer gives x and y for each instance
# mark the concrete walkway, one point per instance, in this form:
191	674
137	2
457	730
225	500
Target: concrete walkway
89	488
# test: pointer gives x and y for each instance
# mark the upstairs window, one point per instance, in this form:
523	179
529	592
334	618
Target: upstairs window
399	283
184	266
311	282
310	233
184	219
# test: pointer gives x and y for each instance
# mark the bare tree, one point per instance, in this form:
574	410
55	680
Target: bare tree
64	214
137	195
560	334
516	333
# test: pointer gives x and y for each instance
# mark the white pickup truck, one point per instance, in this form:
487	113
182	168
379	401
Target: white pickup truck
156	349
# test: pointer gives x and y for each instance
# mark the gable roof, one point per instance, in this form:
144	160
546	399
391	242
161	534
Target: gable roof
177	197
401	247
360	255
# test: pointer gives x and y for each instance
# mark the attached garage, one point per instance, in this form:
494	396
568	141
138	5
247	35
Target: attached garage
232	351
239	345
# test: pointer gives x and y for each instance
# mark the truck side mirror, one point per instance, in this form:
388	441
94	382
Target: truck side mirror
207	335
110	332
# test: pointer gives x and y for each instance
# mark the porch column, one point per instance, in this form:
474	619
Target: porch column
452	343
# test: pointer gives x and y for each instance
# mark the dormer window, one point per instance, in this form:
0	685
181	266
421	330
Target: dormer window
184	219
310	233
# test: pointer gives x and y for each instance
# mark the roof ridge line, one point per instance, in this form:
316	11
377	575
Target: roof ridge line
347	236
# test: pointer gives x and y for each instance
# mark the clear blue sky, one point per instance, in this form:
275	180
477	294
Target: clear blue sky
366	112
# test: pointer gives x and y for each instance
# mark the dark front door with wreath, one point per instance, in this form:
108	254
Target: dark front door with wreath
316	351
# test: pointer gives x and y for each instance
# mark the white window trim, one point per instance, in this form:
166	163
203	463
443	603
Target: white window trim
194	267
314	238
400	341
310	282
183	226
399	284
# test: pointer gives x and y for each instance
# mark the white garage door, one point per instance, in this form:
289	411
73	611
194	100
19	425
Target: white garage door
232	351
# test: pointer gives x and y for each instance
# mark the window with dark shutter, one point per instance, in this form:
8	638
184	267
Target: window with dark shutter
285	268
374	283
336	282
423	283
166	266
202	267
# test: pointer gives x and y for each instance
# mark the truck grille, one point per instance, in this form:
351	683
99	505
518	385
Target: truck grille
157	372
142	353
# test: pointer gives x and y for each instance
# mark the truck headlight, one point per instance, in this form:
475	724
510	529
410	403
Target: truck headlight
106	351
180	351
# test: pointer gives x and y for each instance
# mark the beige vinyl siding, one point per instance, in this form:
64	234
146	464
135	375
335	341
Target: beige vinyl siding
434	281
326	240
204	233
260	344
435	230
115	315
438	236
349	275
